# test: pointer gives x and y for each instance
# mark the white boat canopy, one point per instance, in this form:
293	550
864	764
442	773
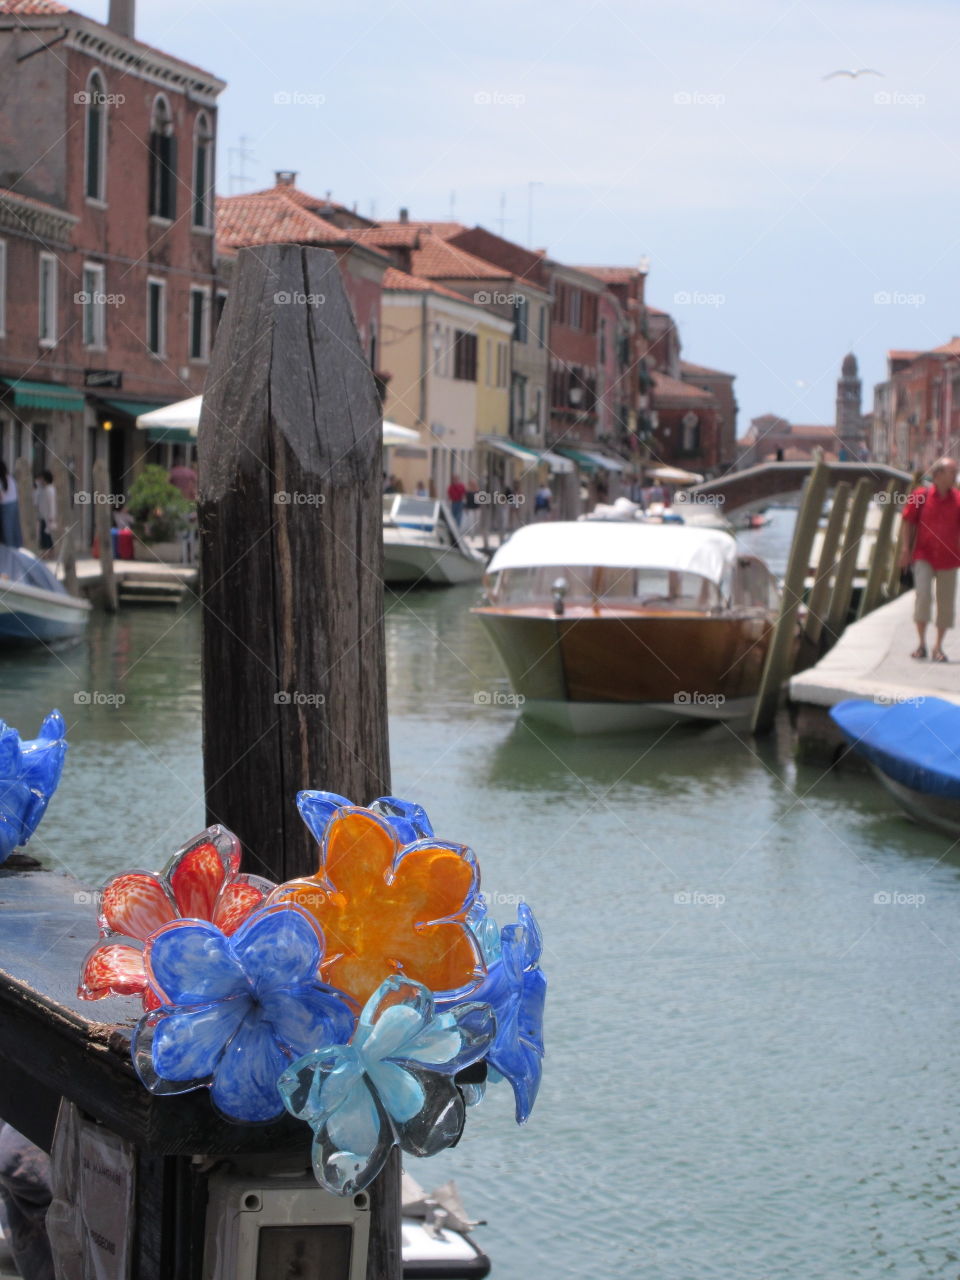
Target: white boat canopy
674	475
711	553
185	416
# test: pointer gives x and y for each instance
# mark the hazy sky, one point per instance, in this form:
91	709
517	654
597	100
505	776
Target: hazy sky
800	217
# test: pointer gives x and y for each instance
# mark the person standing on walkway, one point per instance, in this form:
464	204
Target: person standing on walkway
931	548
45	497
9	508
456	493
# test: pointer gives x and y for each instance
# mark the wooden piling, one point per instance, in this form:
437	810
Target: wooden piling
879	569
820	591
839	606
23	475
781	648
290	517
103	524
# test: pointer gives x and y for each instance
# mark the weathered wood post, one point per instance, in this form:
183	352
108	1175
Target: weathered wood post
103	524
780	653
879	561
23	475
847	564
820	591
291	533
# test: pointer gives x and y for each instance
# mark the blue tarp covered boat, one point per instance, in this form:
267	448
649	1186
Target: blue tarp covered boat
914	749
34	607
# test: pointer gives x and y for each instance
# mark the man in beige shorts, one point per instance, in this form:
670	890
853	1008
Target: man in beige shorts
931	548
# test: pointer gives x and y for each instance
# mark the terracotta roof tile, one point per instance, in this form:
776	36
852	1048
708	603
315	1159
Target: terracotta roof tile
32	8
521	263
436	259
686	366
613	275
394	278
667	388
35	204
271	217
443	229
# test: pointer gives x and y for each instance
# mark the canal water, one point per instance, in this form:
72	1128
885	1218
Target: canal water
754	1005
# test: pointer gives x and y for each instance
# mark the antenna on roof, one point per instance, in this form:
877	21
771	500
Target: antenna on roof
237	159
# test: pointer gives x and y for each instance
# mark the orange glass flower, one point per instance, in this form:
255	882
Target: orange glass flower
388	909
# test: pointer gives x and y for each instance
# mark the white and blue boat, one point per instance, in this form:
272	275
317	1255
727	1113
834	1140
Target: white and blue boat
912	747
34	607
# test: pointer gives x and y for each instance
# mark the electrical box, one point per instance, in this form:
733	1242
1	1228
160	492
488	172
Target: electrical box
283	1227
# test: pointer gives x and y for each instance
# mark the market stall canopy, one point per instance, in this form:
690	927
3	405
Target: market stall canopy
674	475
531	457
184	417
591	460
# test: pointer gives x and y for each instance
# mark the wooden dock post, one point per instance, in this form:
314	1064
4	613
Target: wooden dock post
879	569
290	516
780	652
820	591
103	524
23	475
847	564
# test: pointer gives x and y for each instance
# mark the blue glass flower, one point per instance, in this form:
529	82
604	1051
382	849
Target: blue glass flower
29	774
393	1085
236	1010
516	988
409	820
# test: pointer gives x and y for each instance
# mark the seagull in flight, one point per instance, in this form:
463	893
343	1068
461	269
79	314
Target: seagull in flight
860	71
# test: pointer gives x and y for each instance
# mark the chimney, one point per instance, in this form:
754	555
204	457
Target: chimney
121	19
404	215
286	177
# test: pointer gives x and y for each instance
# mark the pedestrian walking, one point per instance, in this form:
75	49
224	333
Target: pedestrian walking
543	502
456	493
45	499
9	509
931	548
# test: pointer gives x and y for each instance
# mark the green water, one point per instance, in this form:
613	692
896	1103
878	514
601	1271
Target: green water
750	1071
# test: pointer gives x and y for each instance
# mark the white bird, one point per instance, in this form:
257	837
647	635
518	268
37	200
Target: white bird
860	71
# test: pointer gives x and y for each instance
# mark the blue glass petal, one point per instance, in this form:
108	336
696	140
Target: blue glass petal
400	1092
29	774
308	1017
409	820
9	751
318	807
393	993
279	946
392	1029
245	1079
439	1123
302	1081
193	963
453	1039
353	1122
523	941
187	1043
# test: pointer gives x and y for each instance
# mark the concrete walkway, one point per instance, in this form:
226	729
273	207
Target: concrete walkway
872	660
89	571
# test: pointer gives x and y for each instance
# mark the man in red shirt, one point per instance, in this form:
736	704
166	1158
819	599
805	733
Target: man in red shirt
456	493
931	547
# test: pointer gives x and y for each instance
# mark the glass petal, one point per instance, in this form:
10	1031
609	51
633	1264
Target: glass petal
400	1092
409	820
187	1043
112	969
197	872
245	1079
454	1039
350	1149
357	854
191	962
136	904
318	807
393	1028
442	879
239	898
279	946
440	1121
302	1083
307	1017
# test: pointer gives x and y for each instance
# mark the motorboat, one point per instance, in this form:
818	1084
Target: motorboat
423	544
610	625
910	746
435	1235
34	606
703	515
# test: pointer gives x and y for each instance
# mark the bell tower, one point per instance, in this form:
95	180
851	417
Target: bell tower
849	422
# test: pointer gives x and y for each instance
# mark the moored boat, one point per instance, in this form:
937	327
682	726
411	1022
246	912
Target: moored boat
34	607
613	626
422	544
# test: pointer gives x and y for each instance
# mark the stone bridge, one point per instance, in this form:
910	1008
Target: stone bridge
757	487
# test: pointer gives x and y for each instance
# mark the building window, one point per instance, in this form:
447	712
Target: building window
96	132
542	328
163	162
202	171
94	303
502	364
48	300
156	316
3	288
464	355
218	304
488	372
520	320
691	433
575	306
199	323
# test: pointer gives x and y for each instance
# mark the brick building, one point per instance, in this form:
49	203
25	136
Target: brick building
916	411
108	288
720	386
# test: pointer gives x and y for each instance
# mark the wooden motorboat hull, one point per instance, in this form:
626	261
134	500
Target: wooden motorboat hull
597	672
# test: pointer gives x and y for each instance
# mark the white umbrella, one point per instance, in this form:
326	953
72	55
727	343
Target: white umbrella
674	475
185	415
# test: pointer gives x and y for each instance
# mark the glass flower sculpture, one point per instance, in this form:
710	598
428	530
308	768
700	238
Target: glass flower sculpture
236	1010
388	906
392	1085
201	881
29	774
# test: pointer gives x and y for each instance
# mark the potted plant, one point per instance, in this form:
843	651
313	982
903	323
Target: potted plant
159	511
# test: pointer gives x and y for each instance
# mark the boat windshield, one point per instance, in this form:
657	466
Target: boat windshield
412	513
20	566
633	587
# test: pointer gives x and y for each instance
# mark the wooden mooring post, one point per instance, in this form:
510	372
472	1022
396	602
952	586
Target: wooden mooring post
103	524
23	474
839	606
294	696
883	547
826	566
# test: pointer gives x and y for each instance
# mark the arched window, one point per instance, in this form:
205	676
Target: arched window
163	161
95	99
202	171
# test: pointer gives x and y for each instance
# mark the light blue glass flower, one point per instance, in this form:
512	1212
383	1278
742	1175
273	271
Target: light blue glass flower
236	1010
29	774
393	1085
409	820
516	988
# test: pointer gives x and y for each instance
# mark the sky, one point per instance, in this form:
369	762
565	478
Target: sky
787	219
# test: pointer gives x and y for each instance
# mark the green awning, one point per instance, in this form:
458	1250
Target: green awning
132	408
45	395
170	435
582	460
